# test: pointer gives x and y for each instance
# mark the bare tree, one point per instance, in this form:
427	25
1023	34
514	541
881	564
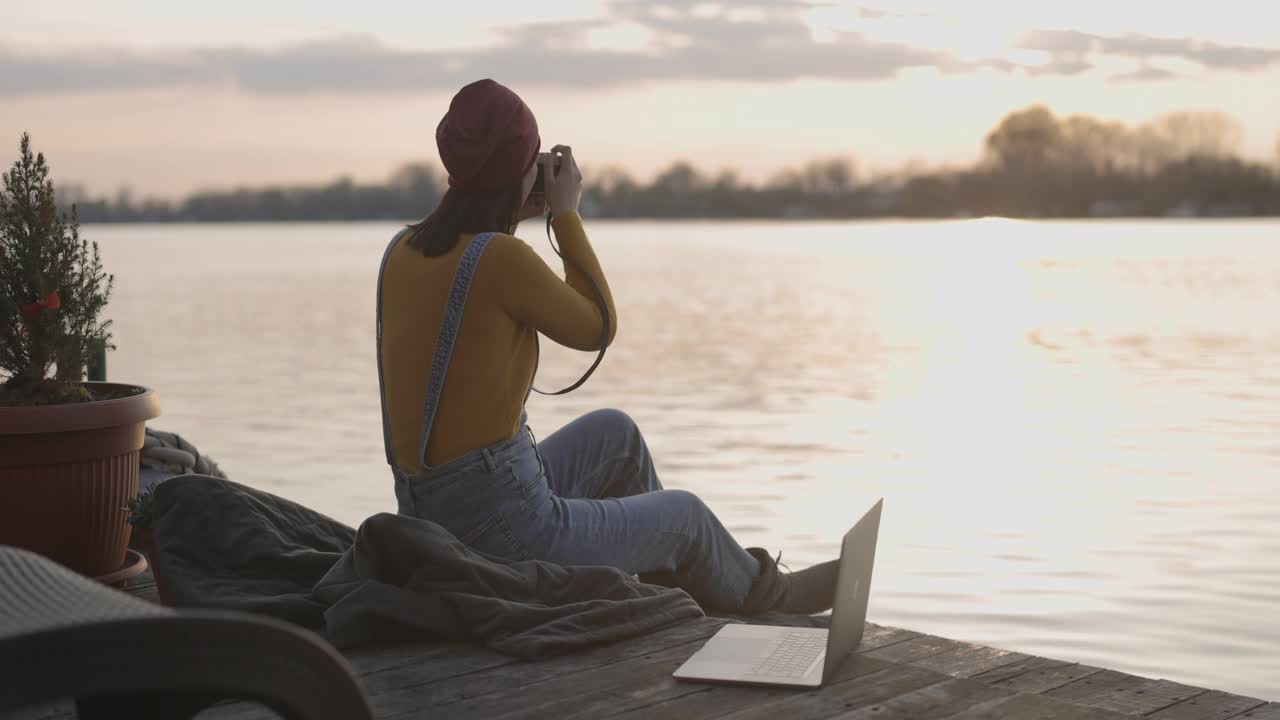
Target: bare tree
1097	145
680	177
831	176
1152	150
609	179
1025	139
1199	133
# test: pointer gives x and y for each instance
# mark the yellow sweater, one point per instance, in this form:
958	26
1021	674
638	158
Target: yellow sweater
514	295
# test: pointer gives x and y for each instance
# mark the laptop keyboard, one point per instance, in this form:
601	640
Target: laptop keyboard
793	656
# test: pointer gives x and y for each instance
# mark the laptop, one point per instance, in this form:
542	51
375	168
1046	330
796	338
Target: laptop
791	656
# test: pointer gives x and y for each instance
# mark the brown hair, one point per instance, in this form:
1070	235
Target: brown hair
465	211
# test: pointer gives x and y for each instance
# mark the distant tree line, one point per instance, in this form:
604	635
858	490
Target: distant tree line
410	193
1034	164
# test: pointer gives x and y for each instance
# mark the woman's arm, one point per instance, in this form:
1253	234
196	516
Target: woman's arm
563	310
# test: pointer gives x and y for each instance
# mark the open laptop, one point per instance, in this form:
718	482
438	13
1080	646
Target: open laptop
797	657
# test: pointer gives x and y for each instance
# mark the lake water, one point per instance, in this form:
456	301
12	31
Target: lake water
1075	426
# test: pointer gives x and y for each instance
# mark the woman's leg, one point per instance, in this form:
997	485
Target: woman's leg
606	507
600	455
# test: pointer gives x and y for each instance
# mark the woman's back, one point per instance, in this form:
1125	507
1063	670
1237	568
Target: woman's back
512	296
493	357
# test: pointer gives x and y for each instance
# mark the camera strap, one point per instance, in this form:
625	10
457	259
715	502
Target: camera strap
604	329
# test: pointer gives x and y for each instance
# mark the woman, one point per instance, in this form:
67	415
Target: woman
460	304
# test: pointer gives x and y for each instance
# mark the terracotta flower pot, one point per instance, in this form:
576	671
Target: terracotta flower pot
145	538
67	473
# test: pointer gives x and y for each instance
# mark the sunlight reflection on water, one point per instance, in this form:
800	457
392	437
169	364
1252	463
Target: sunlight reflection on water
1075	426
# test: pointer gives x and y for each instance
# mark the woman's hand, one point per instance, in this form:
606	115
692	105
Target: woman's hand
534	205
563	191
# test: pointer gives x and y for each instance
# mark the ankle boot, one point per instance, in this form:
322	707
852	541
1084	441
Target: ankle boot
812	590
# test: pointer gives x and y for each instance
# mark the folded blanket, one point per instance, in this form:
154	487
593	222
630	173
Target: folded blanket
170	453
225	545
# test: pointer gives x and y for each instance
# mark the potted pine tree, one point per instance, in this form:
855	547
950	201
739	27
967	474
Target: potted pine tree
68	448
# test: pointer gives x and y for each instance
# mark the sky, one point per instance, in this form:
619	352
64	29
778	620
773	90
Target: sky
166	98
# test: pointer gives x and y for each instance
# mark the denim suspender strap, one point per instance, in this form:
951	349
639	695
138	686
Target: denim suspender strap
382	387
448	334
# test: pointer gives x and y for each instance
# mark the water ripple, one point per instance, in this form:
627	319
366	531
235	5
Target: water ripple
1072	424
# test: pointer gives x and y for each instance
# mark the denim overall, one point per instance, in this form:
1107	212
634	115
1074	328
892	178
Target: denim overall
586	495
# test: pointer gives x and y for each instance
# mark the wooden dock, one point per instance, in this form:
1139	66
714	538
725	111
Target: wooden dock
895	675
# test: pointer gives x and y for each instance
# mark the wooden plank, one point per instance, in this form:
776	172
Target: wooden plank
504	678
1149	697
666	692
372	662
1008	672
582	694
648	685
869	689
941	700
57	710
878	636
916	648
473	663
1270	711
408	695
1213	705
435	667
392	666
688	699
696	700
1023	706
593	694
970	661
1095	688
1045	679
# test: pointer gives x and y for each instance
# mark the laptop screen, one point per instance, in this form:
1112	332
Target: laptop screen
853	586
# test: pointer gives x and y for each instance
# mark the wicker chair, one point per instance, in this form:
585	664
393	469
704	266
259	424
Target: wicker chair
65	636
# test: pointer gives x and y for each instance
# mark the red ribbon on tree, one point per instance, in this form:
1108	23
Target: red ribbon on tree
48	302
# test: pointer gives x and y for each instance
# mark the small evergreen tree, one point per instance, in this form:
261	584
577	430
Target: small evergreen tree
52	289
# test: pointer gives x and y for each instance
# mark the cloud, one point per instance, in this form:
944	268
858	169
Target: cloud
1070	46
1068	65
100	69
1059	41
1146	74
751	40
772	44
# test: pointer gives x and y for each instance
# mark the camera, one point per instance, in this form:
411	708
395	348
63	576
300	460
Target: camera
539	184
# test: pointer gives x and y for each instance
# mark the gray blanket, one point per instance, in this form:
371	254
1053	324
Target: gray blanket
224	545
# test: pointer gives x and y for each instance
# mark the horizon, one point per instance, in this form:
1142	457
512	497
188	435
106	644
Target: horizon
248	96
860	174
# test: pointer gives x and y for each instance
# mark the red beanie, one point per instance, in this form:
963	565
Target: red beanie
488	139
